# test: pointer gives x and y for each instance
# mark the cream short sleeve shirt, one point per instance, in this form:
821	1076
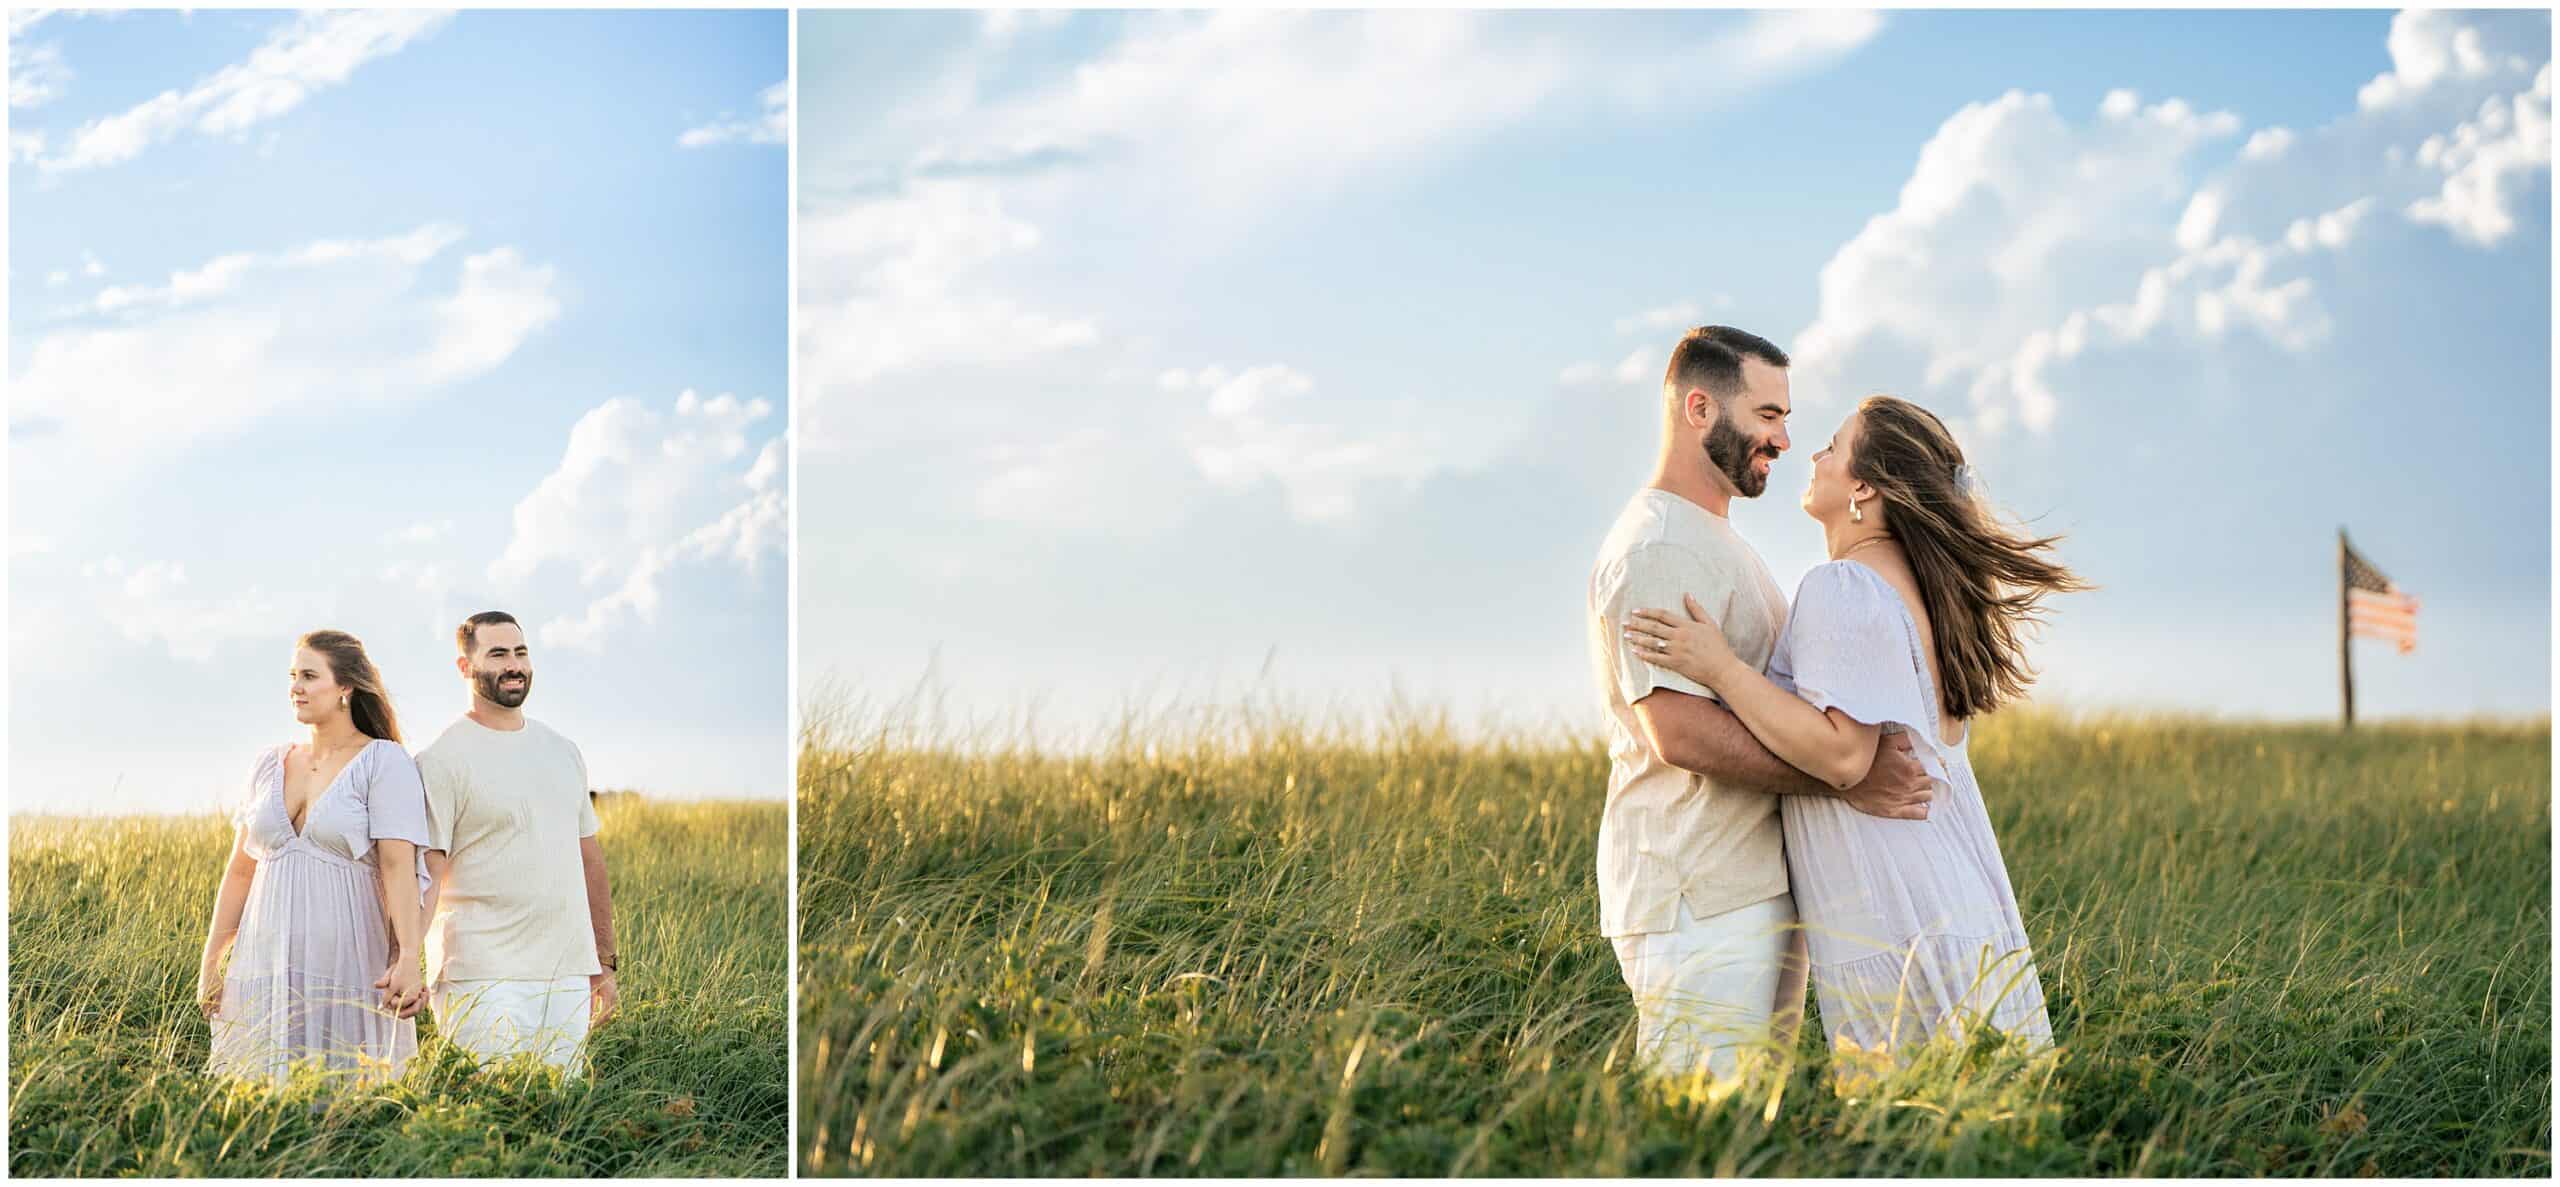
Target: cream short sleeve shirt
1667	834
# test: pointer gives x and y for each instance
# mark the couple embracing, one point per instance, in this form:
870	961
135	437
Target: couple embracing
363	884
1789	788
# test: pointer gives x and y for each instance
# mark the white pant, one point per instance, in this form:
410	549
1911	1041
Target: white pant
1710	989
496	1019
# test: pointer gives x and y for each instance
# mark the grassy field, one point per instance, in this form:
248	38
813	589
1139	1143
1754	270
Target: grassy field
107	919
2267	949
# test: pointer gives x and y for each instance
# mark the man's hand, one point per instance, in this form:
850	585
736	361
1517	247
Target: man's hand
1896	786
603	998
402	986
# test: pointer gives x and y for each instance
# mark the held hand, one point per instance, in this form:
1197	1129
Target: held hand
209	993
402	990
1896	786
1694	647
603	998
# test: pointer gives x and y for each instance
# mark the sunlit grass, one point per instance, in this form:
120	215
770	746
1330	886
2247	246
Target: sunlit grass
1251	948
107	917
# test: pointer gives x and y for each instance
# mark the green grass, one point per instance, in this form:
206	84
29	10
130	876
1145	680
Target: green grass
2267	950
106	1050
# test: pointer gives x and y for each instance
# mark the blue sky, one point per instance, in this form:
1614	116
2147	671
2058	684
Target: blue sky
1155	359
372	320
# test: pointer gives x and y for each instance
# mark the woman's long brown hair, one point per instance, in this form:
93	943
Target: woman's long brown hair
368	706
1980	581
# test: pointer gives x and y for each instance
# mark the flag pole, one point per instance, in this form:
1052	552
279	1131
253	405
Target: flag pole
2346	662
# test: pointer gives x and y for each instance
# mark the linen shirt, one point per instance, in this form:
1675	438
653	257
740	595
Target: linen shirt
1666	834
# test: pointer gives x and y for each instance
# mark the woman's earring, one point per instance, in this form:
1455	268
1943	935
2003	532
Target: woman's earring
1854	515
342	701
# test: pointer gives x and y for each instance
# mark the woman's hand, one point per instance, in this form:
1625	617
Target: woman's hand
604	998
209	992
1694	647
402	986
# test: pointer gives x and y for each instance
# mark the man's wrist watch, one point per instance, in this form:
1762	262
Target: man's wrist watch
612	962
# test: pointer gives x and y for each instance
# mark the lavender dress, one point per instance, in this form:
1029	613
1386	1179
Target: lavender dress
313	937
1912	926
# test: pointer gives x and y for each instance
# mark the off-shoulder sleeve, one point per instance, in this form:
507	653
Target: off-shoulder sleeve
395	802
1849	648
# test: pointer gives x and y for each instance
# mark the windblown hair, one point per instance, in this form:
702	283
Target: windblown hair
1710	357
1980	581
368	706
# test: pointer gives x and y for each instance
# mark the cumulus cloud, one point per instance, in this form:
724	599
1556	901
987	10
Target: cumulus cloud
144	369
2489	163
772	126
640	494
2025	238
307	54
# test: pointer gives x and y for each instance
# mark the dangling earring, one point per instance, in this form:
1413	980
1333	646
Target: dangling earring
1855	516
342	702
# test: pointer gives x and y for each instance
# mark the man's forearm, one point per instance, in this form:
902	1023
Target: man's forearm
599	899
1697	734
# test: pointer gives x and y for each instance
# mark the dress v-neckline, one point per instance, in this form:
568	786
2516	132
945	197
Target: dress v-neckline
302	830
1919	663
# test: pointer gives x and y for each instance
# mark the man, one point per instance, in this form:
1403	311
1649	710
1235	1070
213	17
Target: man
520	952
1693	880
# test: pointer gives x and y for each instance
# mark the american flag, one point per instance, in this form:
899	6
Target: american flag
2376	609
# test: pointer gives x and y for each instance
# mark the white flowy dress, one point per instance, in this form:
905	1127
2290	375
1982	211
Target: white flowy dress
1911	925
313	937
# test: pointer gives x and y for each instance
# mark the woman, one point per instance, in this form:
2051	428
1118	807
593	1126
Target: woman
1912	927
319	907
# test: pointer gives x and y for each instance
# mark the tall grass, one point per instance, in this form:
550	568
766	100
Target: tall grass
1263	949
106	1050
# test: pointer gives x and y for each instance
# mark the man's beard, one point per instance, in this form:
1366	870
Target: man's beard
1733	453
503	698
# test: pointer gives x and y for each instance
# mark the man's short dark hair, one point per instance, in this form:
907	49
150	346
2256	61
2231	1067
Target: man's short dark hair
468	634
1711	357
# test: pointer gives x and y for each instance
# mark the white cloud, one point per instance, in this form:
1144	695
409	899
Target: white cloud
904	283
2489	161
153	601
502	300
999	23
147	369
1219	104
307	54
2011	213
2427	47
938	279
1264	424
2267	144
2023	240
37	73
771	127
639	494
